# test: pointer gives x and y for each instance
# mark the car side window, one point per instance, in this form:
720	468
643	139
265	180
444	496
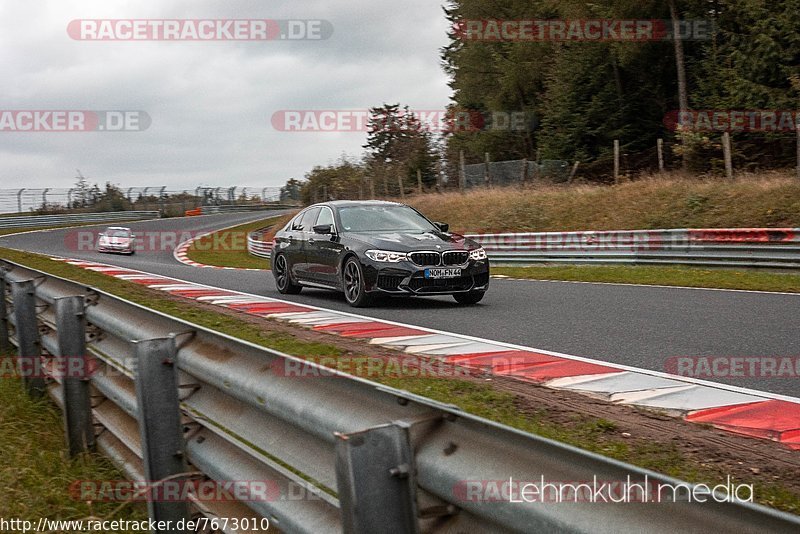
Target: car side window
295	224
325	217
307	221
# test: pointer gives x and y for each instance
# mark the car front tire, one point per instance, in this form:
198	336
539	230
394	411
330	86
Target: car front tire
470	297
355	292
283	278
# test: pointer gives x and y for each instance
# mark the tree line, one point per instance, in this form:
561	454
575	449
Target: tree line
577	97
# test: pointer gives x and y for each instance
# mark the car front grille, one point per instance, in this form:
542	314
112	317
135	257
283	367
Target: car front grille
455	257
424	258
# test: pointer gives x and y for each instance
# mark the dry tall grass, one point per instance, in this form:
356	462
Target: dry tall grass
659	201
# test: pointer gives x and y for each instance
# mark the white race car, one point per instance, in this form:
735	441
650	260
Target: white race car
116	239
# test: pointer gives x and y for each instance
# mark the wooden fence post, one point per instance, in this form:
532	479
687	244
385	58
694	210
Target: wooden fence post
462	171
726	151
798	150
419	181
573	172
487	175
524	176
616	161
660	147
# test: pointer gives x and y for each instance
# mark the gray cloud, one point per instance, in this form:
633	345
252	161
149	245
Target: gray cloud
210	102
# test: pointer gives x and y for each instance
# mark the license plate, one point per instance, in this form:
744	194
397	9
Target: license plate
442	273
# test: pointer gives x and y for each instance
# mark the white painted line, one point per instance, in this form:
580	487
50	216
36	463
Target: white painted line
431	339
508	278
432	349
691	399
390	340
469	348
617	383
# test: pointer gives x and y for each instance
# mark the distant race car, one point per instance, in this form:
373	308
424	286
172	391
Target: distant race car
371	248
116	239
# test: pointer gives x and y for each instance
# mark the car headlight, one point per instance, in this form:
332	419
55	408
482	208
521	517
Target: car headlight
386	256
477	254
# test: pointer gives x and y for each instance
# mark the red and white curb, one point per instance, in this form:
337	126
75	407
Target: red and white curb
740	410
181	253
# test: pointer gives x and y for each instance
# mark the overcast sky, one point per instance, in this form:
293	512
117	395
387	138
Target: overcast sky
210	102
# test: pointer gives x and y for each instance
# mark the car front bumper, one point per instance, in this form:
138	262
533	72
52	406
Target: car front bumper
407	278
121	249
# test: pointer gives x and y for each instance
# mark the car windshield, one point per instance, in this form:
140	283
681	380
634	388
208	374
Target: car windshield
383	219
118	233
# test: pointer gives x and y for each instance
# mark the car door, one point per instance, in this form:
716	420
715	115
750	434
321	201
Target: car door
323	251
302	231
289	242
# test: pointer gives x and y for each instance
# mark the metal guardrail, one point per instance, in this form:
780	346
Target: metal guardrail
737	247
169	396
32	221
207	210
257	246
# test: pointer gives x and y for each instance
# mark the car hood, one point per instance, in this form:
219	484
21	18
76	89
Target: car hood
402	241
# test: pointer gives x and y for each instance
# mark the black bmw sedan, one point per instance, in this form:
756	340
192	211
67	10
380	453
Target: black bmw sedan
371	248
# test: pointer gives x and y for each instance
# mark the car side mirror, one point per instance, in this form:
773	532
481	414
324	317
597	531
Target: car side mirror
444	227
323	229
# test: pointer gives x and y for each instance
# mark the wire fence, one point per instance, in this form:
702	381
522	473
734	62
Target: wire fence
52	200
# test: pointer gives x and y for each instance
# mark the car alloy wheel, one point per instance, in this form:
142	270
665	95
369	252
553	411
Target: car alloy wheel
280	270
353	284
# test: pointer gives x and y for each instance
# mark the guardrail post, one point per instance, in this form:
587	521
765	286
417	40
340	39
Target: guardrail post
5	346
27	329
375	477
159	415
71	324
19	200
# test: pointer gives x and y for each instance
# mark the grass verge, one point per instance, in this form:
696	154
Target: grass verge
587	432
35	467
228	248
662	201
662	276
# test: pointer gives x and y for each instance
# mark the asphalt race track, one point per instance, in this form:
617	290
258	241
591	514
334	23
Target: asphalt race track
636	326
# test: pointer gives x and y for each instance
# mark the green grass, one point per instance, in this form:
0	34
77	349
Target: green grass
36	469
788	282
589	433
228	248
